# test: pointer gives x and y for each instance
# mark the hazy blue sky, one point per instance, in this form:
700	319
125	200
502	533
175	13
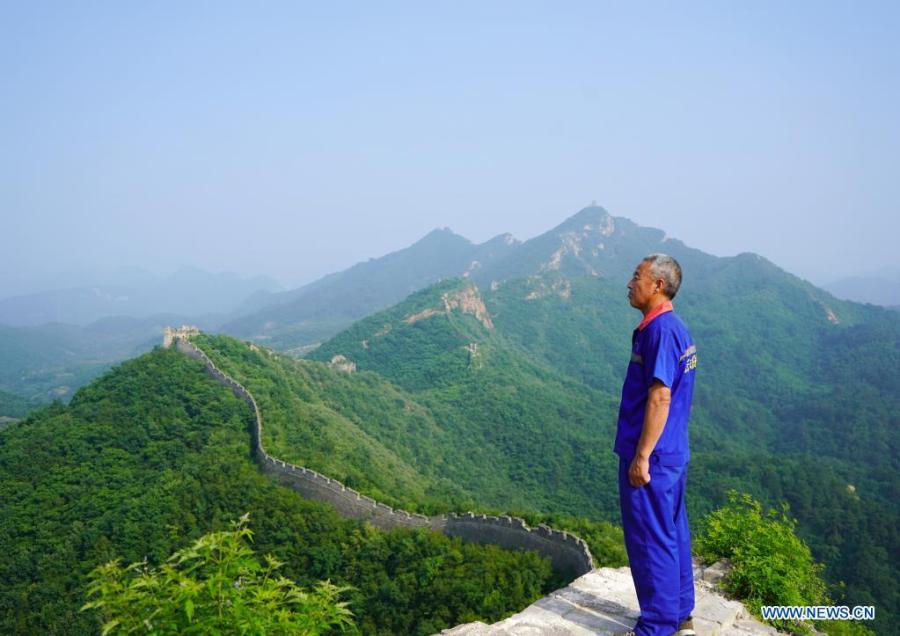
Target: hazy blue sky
296	139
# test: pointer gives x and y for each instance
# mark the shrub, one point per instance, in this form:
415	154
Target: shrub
772	566
214	586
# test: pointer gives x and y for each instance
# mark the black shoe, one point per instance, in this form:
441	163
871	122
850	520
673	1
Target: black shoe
686	628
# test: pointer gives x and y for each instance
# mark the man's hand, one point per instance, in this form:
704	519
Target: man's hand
658	399
639	471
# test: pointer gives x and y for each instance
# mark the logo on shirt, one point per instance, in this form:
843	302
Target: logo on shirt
691	354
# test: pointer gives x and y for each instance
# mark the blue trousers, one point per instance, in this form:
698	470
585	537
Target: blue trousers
658	541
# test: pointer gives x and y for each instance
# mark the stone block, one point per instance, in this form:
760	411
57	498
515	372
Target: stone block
716	573
717	610
469	629
747	626
623	609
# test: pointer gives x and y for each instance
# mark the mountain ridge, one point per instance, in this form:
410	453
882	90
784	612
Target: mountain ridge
590	242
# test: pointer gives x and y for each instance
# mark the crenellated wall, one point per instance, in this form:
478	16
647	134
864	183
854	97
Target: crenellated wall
568	553
347	501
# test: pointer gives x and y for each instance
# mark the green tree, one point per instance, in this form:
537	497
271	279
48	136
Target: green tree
214	586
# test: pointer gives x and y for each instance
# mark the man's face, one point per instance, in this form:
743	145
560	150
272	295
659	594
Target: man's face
642	287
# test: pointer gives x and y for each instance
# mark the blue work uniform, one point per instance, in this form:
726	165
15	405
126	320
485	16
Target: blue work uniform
654	519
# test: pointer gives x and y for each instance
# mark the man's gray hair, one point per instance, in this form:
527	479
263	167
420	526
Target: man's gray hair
665	267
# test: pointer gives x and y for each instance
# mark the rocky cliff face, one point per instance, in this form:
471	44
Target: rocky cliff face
466	300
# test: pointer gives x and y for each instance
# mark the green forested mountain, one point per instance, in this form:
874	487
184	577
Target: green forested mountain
153	455
12	405
484	440
795	399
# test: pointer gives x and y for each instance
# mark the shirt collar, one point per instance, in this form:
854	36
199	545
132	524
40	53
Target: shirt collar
656	311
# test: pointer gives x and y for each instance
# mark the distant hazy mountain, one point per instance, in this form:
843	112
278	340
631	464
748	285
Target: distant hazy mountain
134	293
591	242
316	311
878	288
51	361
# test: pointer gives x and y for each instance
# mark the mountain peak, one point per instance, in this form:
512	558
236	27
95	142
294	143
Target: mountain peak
591	215
442	231
442	236
501	239
592	221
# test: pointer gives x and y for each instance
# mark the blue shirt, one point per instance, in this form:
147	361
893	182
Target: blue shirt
662	350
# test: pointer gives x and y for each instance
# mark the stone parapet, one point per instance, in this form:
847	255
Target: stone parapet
568	553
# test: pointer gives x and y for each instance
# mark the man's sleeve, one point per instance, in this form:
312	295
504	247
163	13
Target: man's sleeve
661	357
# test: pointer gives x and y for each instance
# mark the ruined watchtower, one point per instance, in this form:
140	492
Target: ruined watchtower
170	334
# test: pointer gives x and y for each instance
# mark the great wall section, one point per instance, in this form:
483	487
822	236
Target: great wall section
598	601
568	554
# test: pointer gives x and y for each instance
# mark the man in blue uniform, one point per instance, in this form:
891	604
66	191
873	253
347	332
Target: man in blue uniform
652	444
